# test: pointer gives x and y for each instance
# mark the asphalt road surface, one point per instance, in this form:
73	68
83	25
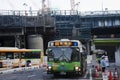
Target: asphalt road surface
37	74
41	74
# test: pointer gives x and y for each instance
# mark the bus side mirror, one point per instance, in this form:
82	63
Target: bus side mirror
78	50
81	50
46	52
49	52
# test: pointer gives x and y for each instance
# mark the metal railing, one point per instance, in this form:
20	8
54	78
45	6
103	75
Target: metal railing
21	12
56	12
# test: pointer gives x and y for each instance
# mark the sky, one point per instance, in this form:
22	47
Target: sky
85	5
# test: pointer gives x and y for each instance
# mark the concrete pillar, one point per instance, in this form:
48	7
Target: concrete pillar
88	46
17	41
117	56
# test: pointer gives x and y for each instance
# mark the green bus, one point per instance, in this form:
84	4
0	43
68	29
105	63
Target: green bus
66	57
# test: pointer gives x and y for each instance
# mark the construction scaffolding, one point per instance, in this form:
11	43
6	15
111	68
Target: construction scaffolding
20	24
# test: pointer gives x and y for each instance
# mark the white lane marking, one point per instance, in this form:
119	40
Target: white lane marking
90	74
45	72
31	75
86	74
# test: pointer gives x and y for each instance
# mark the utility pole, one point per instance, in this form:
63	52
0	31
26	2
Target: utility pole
45	10
24	29
43	13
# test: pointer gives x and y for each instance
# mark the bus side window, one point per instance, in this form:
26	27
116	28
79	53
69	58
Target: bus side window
9	55
2	55
75	55
16	56
51	53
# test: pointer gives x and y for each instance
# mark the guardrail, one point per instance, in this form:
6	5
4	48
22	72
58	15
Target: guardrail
56	12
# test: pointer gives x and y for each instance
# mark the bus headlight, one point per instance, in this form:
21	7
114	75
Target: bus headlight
77	68
49	67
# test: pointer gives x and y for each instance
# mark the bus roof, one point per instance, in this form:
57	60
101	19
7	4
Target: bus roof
15	49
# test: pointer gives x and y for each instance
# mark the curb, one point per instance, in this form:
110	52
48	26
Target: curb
19	69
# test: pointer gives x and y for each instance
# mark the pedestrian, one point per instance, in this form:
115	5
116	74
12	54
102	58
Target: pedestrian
103	64
107	60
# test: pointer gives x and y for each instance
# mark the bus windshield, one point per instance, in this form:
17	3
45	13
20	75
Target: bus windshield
63	54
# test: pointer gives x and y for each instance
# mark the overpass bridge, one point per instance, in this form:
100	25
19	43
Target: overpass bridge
103	27
98	23
17	27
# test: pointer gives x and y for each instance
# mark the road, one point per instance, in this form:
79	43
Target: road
36	74
41	74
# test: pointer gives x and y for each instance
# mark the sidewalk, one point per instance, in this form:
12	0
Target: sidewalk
99	75
9	70
2	69
113	66
5	70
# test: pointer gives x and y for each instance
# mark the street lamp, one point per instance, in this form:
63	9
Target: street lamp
24	29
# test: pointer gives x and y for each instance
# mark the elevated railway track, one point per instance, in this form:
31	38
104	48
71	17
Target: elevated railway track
18	25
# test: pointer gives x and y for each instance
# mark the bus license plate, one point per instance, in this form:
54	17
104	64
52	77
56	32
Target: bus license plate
63	73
